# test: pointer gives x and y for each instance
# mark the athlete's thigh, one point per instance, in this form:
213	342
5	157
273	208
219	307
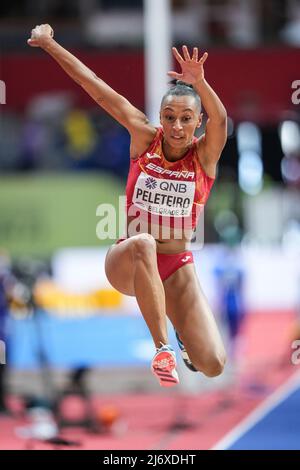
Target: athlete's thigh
119	267
190	313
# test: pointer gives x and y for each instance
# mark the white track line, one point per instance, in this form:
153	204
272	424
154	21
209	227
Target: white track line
259	413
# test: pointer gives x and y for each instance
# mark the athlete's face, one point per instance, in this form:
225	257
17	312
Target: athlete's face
179	117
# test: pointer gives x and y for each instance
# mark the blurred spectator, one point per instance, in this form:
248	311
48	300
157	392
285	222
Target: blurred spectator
230	278
114	150
81	138
10	145
229	274
34	140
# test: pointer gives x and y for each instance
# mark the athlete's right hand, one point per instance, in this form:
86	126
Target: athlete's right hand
40	35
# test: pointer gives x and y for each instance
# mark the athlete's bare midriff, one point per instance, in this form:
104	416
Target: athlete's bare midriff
168	240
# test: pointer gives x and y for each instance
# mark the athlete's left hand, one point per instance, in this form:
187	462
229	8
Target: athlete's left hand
192	70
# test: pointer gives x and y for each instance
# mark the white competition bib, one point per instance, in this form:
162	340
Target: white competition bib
164	196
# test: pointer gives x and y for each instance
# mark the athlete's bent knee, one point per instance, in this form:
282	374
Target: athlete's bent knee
210	364
214	365
143	245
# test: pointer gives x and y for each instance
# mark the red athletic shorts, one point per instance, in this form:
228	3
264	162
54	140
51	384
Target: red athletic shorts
168	264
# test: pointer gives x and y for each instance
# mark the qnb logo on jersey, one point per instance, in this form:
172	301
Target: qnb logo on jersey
186	258
166	185
150	183
166	172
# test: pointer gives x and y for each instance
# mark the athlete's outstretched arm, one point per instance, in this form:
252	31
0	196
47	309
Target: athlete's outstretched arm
192	71
114	103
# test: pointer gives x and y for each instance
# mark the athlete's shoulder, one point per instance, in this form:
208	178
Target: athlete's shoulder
138	148
207	168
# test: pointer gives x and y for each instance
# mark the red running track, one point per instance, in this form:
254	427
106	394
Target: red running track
175	421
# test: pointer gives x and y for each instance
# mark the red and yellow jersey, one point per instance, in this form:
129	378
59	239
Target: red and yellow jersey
169	192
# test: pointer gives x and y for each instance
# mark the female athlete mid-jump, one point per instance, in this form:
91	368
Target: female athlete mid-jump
170	177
